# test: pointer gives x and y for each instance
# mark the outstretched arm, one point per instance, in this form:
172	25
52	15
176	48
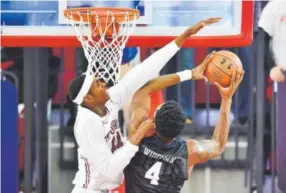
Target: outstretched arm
151	67
141	103
141	99
202	151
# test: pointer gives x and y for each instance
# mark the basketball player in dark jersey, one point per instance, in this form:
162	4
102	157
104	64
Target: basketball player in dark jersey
164	161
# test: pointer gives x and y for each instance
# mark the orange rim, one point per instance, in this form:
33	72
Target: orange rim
87	14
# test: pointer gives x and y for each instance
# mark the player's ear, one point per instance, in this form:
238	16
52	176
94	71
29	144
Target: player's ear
88	97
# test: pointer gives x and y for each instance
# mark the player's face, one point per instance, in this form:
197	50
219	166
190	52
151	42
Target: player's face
99	91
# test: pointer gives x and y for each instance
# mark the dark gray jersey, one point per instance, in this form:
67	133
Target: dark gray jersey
158	167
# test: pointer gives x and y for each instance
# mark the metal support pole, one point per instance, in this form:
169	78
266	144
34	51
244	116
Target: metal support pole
29	113
273	135
260	112
179	86
250	149
41	66
61	85
236	112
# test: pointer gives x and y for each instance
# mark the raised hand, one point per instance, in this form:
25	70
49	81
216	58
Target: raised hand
147	128
195	29
144	129
201	24
276	74
227	92
198	72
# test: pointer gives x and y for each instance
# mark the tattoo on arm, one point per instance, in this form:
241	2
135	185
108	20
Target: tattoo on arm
205	150
202	151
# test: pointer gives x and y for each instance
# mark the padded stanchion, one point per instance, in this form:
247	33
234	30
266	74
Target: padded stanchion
9	137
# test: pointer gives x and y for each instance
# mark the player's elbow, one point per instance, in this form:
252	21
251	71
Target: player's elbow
218	150
111	175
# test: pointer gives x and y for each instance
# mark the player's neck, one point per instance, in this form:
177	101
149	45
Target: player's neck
164	139
101	111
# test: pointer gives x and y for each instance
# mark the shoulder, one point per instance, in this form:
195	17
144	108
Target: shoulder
83	112
86	117
270	10
191	143
112	106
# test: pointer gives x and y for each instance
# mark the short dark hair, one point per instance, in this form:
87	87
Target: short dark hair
75	86
170	120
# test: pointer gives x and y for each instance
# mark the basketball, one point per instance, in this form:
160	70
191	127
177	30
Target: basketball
221	66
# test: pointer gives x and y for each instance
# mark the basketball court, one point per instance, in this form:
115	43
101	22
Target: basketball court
38	24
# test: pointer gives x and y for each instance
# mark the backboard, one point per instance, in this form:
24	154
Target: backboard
41	23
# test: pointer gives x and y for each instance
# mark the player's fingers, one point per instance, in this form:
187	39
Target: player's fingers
207	59
131	129
233	79
146	122
210	55
239	78
212	20
218	85
238	74
205	78
283	78
200	27
150	125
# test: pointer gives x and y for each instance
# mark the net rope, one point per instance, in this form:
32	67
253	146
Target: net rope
103	53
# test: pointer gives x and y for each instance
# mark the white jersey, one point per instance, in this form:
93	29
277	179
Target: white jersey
102	154
273	21
88	175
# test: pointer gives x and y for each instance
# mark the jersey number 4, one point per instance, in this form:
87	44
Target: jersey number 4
153	173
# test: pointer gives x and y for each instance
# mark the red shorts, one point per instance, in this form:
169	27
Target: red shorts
120	189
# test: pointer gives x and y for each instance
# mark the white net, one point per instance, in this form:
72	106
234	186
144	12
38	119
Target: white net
103	41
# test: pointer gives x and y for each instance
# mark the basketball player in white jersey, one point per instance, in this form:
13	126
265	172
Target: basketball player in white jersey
102	152
273	22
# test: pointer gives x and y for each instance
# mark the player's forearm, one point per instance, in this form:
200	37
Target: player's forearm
222	128
165	81
136	137
149	68
121	158
141	103
114	166
160	83
183	37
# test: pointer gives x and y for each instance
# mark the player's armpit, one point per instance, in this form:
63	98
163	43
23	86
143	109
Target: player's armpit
202	151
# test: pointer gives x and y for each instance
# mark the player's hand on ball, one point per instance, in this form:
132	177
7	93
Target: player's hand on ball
227	92
276	74
198	72
147	127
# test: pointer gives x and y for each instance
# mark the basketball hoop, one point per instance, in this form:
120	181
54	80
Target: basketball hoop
103	33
